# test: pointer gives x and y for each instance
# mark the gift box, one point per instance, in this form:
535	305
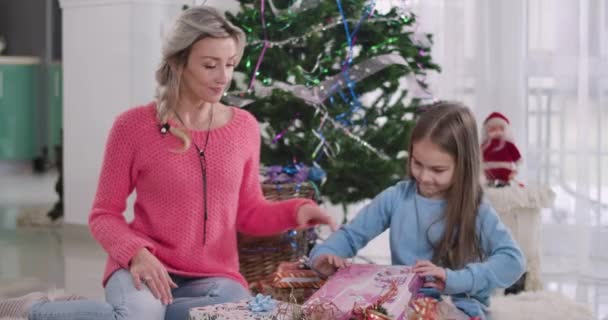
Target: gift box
292	282
294	286
295	275
362	291
242	310
296	279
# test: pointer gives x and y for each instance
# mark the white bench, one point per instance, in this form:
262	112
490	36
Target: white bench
519	209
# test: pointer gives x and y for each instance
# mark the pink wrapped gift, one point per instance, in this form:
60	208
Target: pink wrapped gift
358	288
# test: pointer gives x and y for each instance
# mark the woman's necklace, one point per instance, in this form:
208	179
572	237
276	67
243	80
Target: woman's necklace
203	162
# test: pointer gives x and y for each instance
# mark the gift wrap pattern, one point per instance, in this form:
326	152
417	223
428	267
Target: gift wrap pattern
240	311
361	285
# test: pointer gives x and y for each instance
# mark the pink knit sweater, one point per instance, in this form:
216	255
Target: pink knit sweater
169	214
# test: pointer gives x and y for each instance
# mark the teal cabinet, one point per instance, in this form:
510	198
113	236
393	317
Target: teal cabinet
18	101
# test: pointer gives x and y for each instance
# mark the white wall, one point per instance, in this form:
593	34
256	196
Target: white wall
481	47
110	51
96	68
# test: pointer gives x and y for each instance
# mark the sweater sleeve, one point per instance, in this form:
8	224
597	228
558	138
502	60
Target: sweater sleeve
256	215
504	262
369	223
117	180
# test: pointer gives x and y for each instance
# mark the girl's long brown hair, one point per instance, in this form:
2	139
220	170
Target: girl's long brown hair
452	127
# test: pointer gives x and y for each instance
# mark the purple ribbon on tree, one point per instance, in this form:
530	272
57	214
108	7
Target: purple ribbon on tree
293	173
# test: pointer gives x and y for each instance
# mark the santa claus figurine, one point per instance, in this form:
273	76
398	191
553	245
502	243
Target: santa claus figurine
500	155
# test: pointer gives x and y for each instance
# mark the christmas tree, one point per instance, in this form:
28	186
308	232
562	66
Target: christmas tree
336	84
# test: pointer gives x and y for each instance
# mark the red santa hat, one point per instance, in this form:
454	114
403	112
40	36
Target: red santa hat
497	118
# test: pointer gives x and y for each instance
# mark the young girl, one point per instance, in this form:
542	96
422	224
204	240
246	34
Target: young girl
437	219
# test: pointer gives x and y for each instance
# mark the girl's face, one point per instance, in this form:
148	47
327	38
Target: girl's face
432	168
209	69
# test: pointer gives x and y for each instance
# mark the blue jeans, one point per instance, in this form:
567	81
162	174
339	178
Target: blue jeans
124	301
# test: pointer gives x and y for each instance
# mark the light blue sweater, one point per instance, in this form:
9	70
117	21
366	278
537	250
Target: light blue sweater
409	215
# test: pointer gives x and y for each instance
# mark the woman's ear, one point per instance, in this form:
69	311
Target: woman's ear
173	65
177	63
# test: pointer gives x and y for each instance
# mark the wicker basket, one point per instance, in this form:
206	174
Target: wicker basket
277	192
259	257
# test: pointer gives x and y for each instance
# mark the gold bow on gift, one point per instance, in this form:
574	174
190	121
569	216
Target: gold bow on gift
375	310
424	308
371	314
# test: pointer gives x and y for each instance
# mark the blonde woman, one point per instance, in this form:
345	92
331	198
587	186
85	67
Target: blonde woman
194	165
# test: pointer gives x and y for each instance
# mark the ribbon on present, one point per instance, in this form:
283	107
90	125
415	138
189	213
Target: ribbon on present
369	314
321	310
424	308
295	275
297	279
289	311
376	315
375	311
262	303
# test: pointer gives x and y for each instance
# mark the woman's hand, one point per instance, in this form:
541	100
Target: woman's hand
147	269
433	276
327	264
309	215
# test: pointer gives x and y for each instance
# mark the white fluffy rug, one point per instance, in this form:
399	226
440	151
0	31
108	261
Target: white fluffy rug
52	294
540	305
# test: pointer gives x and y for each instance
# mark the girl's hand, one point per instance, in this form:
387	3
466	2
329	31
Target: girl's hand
433	276
327	264
309	215
147	269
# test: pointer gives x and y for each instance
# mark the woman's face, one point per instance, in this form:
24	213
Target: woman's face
209	68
